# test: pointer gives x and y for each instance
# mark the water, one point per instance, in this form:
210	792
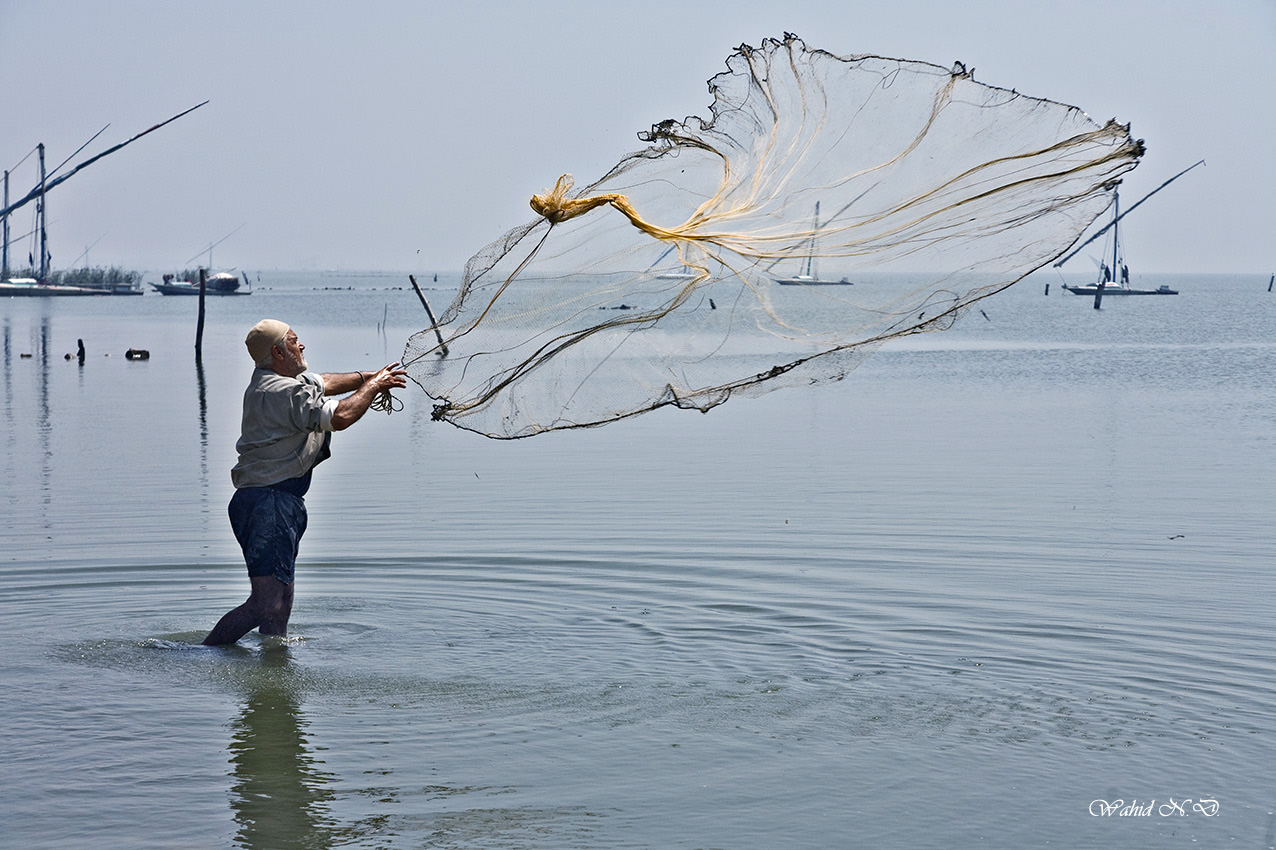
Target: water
996	575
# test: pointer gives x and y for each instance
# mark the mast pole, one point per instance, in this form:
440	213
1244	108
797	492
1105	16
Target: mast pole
1116	214
4	220
44	235
815	229
38	191
1104	229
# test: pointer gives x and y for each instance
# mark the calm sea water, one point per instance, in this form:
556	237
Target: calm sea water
996	580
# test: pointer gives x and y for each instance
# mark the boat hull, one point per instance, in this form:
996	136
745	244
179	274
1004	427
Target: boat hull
1120	290
191	289
35	290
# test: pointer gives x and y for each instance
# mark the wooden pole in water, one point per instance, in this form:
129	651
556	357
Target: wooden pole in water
199	323
433	322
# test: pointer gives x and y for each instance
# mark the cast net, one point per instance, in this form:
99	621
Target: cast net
829	205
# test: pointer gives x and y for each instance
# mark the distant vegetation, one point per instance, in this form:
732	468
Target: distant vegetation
190	274
113	276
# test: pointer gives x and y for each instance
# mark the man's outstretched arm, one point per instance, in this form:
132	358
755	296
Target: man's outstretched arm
365	388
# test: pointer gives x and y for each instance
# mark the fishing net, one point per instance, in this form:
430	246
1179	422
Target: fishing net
829	205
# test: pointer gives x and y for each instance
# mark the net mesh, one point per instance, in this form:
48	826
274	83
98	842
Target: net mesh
829	205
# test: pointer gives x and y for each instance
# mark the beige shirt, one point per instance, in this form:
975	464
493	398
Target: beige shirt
283	427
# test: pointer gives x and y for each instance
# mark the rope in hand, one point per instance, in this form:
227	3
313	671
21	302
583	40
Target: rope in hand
383	400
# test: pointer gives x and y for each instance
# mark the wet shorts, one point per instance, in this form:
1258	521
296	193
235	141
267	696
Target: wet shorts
268	523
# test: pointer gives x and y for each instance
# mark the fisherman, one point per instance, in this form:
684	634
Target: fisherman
286	429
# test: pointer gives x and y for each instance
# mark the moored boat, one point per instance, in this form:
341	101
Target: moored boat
808	276
1115	279
1114	288
223	283
32	288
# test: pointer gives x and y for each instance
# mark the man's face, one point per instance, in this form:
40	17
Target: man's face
290	359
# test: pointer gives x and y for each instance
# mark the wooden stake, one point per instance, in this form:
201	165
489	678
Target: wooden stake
433	322
199	324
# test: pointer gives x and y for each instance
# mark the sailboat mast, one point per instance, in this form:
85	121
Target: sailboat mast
1116	215
4	225
44	236
810	257
1116	239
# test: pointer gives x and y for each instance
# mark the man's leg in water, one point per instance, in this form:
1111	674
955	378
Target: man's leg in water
268	608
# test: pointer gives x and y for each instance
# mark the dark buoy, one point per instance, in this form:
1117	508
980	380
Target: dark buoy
137	354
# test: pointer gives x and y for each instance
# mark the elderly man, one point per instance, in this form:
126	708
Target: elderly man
287	424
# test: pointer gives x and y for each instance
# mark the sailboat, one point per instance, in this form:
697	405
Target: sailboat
808	277
37	287
684	272
222	283
1115	279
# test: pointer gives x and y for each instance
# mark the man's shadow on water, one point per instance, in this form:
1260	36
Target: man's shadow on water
280	795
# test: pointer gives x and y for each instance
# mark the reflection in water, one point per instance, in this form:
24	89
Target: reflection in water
203	422
280	794
44	417
8	375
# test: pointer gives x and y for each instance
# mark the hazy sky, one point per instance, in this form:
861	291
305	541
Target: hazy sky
407	135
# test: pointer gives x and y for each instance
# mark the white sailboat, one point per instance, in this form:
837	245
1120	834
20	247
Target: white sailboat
808	276
682	272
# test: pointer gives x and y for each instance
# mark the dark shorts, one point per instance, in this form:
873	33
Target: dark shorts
268	523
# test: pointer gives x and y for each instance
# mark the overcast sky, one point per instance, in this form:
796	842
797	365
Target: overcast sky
407	135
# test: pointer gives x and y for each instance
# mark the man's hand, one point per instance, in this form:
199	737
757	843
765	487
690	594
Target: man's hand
388	378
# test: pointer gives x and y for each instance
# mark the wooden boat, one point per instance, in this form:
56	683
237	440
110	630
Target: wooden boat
223	283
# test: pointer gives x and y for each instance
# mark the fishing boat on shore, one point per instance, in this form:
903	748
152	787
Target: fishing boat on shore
223	283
